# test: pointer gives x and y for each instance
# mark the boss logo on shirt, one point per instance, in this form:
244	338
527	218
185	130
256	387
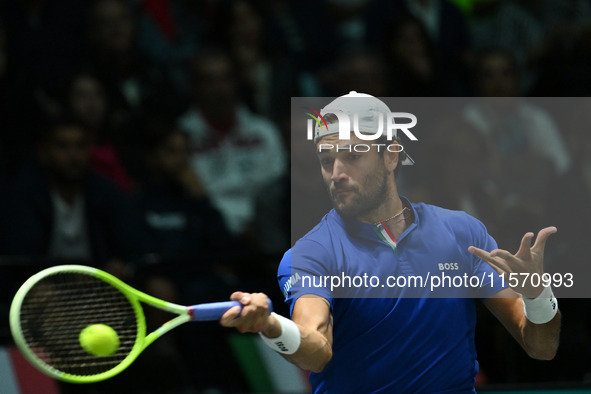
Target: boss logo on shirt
448	266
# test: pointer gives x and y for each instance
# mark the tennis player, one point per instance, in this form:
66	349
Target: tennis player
360	344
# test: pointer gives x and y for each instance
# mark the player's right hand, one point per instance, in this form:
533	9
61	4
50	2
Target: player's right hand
254	315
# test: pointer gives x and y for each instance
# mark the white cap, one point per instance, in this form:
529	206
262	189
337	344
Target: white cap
368	108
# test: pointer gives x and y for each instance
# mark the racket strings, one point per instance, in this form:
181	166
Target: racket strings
60	306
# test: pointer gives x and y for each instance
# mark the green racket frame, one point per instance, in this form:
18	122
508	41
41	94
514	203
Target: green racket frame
133	296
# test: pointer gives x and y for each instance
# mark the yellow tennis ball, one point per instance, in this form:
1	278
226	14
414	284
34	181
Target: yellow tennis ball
99	340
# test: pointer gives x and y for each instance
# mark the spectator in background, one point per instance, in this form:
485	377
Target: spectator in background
132	83
186	253
171	31
571	209
412	59
306	47
348	17
437	28
180	224
510	26
539	33
463	174
509	123
563	65
572	201
59	209
359	68
86	102
531	148
444	22
233	151
262	78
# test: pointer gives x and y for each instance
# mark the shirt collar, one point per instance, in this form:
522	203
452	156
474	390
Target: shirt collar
367	231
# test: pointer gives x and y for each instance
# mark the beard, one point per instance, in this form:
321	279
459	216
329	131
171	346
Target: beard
360	200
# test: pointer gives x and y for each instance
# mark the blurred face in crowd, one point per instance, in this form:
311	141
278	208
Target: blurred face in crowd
497	76
409	40
364	70
409	45
172	156
246	24
215	86
87	101
66	154
113	27
358	183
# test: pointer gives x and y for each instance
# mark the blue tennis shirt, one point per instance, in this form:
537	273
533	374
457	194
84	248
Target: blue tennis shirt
395	344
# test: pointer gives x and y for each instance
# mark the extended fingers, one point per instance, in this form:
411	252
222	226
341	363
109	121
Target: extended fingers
503	254
542	237
524	248
496	261
483	254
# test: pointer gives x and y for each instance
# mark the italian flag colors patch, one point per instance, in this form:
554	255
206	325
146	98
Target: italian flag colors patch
383	231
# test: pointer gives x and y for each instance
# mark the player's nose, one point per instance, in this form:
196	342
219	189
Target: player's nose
338	172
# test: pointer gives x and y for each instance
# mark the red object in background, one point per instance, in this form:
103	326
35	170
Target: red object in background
162	14
481	379
104	161
30	380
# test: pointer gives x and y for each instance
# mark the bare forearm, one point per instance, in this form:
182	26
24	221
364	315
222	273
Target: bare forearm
314	353
541	340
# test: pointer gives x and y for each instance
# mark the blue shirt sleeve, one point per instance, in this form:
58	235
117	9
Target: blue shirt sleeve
301	271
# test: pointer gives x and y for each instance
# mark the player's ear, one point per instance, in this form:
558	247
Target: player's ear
391	157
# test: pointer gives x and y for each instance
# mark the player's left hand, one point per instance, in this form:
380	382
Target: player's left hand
528	259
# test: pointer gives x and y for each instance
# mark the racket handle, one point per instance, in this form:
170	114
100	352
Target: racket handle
215	310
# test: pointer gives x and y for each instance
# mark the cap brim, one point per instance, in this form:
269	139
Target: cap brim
408	161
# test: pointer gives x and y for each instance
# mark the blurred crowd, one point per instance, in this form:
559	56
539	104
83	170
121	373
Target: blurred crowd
151	138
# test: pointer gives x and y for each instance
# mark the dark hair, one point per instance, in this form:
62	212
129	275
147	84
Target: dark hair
93	5
66	86
53	124
394	30
205	54
496	51
157	131
331	118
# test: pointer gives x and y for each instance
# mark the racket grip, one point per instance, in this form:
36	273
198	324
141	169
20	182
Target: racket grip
215	310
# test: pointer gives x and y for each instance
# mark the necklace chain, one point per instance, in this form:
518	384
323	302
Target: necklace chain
395	216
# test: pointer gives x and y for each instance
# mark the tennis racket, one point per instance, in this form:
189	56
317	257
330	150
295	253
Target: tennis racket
52	307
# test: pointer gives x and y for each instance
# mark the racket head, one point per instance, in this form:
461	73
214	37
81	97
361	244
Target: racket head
51	309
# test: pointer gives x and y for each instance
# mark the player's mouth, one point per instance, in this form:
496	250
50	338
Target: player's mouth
341	192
